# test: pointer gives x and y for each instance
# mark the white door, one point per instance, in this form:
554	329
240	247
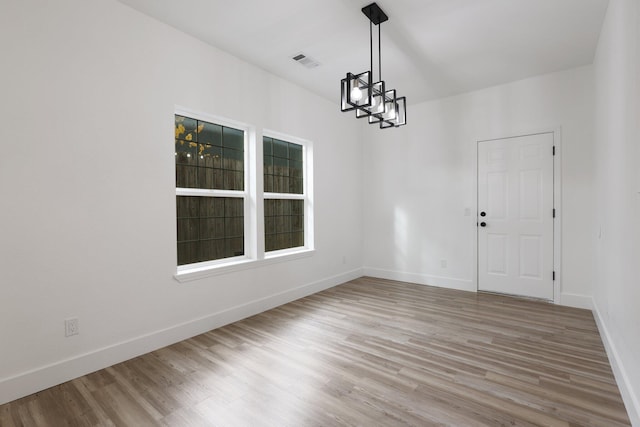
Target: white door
515	216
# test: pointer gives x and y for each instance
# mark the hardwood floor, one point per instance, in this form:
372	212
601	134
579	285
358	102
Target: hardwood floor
370	352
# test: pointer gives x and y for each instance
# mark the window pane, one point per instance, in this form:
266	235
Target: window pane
295	169
233	138
297	222
209	228
186	129
209	178
208	207
233	159
283	224
187	252
297	239
186	164
186	176
295	152
205	152
234	247
188	229
186	153
268	183
283	161
280	184
233	180
234	208
212	228
280	149
210	156
280	166
267	144
187	207
213	249
295	185
209	133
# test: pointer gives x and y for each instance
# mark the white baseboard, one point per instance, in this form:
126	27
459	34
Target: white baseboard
576	300
629	395
41	378
421	279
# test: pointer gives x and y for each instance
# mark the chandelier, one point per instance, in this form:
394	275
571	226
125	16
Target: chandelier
373	100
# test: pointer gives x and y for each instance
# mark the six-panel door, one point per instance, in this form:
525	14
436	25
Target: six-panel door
515	234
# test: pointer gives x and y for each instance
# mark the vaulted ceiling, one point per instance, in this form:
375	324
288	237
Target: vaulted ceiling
430	48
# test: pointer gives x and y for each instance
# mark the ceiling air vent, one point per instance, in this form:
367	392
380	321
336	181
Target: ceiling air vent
305	60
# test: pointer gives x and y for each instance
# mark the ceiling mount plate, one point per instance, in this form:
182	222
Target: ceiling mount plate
374	13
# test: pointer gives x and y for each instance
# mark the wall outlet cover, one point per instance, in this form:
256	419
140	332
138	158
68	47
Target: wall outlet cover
71	327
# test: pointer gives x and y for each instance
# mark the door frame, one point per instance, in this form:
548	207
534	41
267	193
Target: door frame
557	199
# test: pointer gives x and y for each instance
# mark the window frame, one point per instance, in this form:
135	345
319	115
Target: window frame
306	196
202	192
253	196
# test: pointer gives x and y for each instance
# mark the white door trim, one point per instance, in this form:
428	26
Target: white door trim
557	204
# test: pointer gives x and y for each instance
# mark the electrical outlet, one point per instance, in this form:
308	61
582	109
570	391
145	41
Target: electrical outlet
344	259
71	327
443	263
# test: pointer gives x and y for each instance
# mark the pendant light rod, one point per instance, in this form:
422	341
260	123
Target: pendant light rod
379	54
371	48
376	17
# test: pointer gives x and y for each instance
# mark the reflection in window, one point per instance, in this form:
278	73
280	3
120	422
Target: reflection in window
283	176
283	224
208	157
282	166
209	228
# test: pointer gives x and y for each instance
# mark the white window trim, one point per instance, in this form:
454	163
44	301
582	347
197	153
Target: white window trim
209	193
253	196
235	264
288	196
307	196
184	271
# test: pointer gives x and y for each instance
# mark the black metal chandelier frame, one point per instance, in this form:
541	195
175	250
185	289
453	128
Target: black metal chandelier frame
372	99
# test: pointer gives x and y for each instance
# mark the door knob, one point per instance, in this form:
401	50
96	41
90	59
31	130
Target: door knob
483	214
483	224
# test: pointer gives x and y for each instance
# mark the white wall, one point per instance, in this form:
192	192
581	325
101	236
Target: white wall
420	178
87	223
617	142
88	203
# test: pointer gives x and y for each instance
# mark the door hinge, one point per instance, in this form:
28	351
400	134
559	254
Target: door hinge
554	150
554	275
554	212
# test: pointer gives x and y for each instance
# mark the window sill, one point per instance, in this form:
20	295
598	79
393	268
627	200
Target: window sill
196	273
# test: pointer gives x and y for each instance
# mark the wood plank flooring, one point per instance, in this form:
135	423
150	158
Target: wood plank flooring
370	352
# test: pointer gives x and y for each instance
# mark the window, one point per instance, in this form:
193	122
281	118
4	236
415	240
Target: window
219	206
284	198
209	228
210	196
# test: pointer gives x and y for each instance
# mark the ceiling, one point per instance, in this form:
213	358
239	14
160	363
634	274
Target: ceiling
430	48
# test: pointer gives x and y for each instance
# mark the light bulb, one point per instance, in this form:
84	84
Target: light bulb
390	112
356	94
